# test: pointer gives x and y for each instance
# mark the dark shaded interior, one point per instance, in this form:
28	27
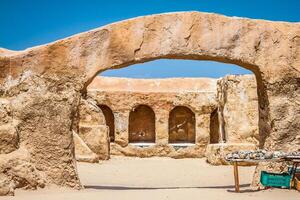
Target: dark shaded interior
142	124
182	125
214	127
110	121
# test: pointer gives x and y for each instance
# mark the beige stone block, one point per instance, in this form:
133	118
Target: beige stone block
82	152
96	138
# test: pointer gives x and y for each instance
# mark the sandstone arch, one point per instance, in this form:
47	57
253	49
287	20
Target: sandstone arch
141	124
43	84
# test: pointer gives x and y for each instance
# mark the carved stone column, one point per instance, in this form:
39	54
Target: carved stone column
161	126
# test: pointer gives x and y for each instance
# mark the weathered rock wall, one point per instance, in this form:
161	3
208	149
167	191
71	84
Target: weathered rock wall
9	139
238	105
41	110
238	114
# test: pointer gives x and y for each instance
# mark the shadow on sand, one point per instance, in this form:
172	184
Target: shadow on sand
108	187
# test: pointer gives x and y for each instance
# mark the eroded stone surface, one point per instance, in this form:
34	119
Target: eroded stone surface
17	171
9	140
238	104
44	108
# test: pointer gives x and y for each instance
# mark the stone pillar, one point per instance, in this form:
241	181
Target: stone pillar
162	127
202	128
121	127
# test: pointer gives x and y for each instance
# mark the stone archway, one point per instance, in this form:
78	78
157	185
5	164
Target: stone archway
42	86
141	124
182	126
110	121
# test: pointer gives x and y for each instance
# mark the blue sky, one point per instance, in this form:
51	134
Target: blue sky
27	23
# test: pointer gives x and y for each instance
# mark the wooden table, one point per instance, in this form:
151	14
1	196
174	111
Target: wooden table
236	169
294	159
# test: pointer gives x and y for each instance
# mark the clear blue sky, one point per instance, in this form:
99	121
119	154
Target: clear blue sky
26	23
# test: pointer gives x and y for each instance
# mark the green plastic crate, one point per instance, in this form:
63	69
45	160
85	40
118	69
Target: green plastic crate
282	180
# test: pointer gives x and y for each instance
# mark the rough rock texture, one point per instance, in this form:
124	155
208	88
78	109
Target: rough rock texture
82	152
238	104
92	129
18	172
89	113
36	117
122	95
9	140
97	139
44	83
44	109
238	117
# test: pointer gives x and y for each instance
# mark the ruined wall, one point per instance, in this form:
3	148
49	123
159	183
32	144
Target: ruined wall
235	97
123	95
232	99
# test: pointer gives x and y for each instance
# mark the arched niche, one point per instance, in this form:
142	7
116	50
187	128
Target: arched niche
141	125
182	126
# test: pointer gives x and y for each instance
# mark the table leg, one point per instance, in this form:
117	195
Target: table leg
236	177
294	169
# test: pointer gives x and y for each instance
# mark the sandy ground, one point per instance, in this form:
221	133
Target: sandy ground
158	178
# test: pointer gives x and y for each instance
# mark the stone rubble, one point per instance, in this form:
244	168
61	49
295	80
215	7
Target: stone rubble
259	155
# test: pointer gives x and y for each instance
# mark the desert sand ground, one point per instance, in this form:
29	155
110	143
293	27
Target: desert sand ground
158	178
